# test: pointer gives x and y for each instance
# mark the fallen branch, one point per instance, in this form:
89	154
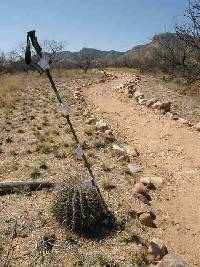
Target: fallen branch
9	187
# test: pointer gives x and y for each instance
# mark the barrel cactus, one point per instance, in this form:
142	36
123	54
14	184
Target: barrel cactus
81	209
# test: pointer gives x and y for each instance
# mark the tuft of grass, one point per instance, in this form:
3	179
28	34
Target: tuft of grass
106	168
9	139
55	132
20	131
99	144
99	259
138	261
35	174
89	130
13	152
14	166
43	148
68	236
125	170
43	166
108	185
59	154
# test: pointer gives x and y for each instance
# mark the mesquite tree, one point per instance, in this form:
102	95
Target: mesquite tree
189	35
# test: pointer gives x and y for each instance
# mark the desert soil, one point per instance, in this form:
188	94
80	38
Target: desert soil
168	150
36	144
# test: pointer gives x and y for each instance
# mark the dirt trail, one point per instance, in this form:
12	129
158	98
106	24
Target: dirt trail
168	150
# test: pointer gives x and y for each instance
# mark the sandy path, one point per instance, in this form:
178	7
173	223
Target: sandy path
167	150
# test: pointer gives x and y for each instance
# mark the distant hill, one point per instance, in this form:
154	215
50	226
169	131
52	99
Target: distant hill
131	58
146	51
71	58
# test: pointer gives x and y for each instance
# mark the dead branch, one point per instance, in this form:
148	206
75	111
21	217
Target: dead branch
9	187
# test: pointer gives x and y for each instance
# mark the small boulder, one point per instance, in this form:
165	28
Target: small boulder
162	106
197	127
131	87
130	92
140	188
143	198
109	135
138	95
134	168
166	106
157	249
150	102
174	116
90	120
183	121
101	125
157	181
157	105
145	180
172	261
142	101
118	150
147	218
131	151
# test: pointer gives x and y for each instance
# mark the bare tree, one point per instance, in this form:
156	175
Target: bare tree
2	61
189	35
53	49
171	53
86	58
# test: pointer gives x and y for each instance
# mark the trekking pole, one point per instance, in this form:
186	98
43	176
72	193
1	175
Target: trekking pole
43	65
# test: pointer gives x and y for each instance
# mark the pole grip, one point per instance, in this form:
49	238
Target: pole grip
35	43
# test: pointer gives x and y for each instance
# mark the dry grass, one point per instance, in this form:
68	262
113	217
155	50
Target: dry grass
36	144
75	73
10	90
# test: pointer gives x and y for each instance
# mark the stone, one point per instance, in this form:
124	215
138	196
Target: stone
142	101
142	198
157	249
162	111
157	181
172	261
101	125
119	150
138	95
109	135
150	102
140	188
145	180
174	117
90	120
183	121
163	106
120	87
134	168
131	151
77	93
147	218
197	126
157	105
166	106
102	80
130	91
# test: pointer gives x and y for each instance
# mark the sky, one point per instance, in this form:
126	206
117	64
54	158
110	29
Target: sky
101	24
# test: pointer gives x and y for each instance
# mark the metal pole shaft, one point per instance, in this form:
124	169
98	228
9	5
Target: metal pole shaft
86	163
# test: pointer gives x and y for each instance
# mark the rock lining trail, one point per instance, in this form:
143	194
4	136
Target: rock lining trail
169	150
